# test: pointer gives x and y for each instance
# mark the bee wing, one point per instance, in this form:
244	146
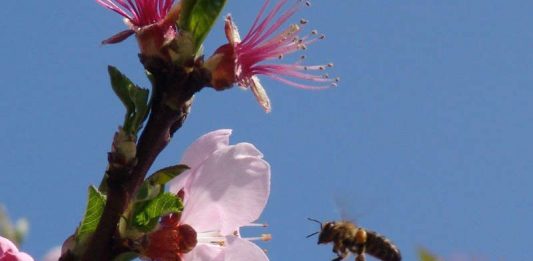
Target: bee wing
345	208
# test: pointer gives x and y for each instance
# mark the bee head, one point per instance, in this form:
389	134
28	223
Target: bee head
325	233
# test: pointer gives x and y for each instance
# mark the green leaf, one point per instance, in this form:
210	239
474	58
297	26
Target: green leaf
154	185
198	16
126	256
162	176
95	208
425	255
134	98
147	214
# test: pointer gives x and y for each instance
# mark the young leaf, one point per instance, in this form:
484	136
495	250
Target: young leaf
134	98
162	176
95	208
198	16
147	215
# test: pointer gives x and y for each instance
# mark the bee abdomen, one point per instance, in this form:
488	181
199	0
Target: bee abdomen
380	247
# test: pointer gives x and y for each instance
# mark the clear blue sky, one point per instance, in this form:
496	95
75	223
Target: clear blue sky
427	139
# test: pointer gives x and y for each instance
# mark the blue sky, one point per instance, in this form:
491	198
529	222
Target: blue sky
427	139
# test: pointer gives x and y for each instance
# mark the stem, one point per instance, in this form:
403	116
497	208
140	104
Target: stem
173	90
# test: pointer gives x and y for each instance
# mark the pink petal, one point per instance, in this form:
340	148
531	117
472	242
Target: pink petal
6	245
197	152
229	190
10	252
204	146
20	256
204	252
239	249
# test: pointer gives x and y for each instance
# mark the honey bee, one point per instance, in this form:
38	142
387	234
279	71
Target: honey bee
347	237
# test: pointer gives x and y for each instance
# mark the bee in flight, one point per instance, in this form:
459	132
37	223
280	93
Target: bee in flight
347	237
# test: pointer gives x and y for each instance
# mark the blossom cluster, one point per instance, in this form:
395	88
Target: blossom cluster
241	60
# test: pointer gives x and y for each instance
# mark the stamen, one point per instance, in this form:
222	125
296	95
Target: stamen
263	237
256	225
303	21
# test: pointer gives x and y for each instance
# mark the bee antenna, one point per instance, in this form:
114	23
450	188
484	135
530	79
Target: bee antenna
314	220
310	235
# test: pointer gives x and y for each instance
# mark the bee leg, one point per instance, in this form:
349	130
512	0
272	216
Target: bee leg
341	253
361	253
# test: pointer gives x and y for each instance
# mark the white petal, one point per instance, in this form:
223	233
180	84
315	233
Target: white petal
232	33
197	152
229	190
205	252
260	93
239	249
204	146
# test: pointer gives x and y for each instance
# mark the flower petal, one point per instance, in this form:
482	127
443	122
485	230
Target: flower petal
260	93
10	252
197	152
232	33
6	245
204	146
232	186
205	252
239	249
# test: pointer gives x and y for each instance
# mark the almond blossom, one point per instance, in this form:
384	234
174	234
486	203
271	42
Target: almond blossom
240	61
10	252
226	188
153	22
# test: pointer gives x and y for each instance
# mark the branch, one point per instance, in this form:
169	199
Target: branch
173	90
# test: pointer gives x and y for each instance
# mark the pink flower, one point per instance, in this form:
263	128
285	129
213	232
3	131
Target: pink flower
240	61
153	22
53	254
10	252
226	188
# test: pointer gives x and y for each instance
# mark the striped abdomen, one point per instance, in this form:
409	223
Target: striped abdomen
381	248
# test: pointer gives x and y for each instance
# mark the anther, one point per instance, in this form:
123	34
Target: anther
303	21
266	237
